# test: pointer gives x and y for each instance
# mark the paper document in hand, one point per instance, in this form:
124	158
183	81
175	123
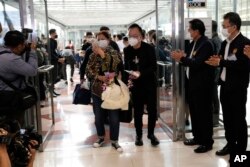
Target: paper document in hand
132	73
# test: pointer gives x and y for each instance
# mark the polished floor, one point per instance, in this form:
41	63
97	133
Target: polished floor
74	132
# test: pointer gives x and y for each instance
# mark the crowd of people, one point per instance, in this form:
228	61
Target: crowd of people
104	60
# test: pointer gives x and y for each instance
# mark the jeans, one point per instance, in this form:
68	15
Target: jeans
114	123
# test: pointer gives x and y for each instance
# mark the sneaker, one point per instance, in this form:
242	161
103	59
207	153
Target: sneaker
117	147
98	143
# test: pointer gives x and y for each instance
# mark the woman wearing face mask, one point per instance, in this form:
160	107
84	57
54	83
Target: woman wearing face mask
98	65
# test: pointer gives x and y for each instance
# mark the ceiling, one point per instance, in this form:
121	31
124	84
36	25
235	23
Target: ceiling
96	12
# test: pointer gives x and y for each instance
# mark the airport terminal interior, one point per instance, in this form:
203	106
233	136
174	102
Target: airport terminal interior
68	130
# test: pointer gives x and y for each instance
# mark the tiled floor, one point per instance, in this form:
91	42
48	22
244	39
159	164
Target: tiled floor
74	133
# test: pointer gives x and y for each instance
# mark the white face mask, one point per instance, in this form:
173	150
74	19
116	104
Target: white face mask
225	32
133	41
103	44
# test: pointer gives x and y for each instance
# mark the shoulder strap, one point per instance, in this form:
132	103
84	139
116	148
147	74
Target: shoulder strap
8	83
5	51
4	80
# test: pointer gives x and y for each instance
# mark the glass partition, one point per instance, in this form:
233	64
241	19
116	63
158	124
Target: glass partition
9	17
164	64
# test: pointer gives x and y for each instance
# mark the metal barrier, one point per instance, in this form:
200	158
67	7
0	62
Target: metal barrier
45	126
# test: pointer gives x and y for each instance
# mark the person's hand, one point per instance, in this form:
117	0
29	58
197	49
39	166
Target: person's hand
103	78
177	55
213	61
32	152
61	60
3	133
247	50
135	75
98	51
33	45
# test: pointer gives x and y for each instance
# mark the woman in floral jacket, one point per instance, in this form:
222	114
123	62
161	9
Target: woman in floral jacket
102	67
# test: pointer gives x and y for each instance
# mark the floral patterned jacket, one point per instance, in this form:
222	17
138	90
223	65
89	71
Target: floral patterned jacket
97	66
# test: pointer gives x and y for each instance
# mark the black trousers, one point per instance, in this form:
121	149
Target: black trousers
54	71
233	102
140	97
200	105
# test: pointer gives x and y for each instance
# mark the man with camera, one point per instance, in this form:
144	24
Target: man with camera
14	69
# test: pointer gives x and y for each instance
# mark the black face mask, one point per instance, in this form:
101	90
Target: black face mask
56	36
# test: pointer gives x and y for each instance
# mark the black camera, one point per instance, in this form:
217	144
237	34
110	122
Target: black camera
28	37
27	34
18	143
18	149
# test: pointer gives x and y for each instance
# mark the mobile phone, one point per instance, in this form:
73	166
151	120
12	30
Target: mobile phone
132	73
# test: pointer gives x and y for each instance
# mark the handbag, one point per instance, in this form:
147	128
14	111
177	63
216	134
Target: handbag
81	95
116	96
18	99
126	116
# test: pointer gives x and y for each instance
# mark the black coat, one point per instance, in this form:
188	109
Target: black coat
201	75
237	72
146	64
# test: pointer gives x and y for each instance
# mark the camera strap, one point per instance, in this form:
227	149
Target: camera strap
5	51
3	79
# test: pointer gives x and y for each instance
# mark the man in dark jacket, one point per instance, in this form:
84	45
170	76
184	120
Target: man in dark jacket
200	78
234	80
55	58
141	59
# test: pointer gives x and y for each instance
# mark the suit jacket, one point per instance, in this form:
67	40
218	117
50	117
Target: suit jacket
201	75
146	65
237	69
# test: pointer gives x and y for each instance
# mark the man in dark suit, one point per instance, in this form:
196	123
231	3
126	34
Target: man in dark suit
234	79
200	78
140	58
54	57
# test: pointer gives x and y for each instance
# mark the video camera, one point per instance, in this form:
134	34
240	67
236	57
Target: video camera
27	33
18	144
28	37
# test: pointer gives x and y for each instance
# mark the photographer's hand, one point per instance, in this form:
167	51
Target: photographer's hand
33	46
32	152
4	157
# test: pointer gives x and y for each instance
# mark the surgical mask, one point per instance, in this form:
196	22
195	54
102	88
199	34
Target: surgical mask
103	44
225	32
133	41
